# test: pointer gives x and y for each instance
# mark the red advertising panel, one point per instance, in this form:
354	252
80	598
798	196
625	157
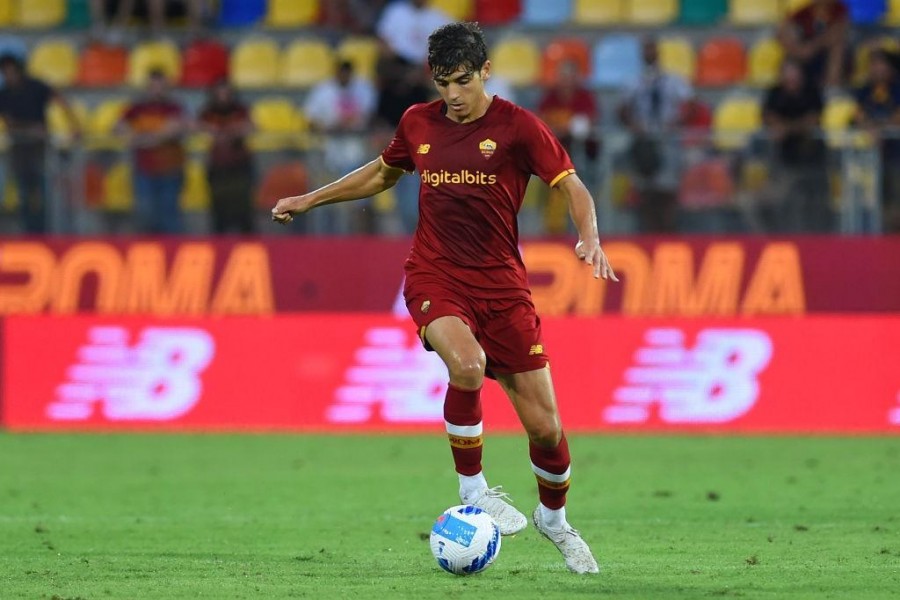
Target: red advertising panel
750	276
362	372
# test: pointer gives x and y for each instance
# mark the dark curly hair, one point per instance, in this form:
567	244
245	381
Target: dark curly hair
456	45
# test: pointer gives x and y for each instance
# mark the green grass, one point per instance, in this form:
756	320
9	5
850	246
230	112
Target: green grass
152	516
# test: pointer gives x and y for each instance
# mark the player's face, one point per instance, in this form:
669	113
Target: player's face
463	92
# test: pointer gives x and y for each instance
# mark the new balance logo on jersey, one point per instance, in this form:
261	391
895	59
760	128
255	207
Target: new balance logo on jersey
155	379
713	382
536	349
466	177
423	149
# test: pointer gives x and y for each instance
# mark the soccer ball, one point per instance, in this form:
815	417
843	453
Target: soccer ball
465	540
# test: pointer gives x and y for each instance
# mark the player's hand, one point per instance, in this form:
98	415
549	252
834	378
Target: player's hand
286	208
591	253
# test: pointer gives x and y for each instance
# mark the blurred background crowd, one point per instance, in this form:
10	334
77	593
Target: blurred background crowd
683	116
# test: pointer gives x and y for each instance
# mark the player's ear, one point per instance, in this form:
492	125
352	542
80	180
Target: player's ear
486	70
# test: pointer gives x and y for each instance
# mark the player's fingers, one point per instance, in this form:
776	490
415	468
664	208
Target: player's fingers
610	273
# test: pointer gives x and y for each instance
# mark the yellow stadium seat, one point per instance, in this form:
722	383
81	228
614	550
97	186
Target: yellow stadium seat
55	62
255	64
7	12
279	125
58	123
676	55
598	12
755	12
651	12
118	190
306	63
735	119
292	13
792	6
101	125
892	15
153	56
195	194
517	60
362	52
457	10
764	62
837	118
40	14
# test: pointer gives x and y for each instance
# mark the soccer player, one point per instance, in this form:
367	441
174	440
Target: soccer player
466	286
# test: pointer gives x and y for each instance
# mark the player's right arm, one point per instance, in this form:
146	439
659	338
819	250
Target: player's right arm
366	181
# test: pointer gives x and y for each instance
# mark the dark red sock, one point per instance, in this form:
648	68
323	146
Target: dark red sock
551	467
462	416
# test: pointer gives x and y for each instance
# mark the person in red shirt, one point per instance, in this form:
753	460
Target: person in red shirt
466	286
155	125
816	37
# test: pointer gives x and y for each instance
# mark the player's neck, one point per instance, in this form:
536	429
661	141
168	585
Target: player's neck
476	113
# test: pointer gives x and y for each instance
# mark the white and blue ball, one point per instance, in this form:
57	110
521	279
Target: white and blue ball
465	540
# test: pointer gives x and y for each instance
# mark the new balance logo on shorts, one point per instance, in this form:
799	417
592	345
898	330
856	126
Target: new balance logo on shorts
713	382
156	379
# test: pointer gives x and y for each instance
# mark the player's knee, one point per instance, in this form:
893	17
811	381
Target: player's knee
468	371
547	433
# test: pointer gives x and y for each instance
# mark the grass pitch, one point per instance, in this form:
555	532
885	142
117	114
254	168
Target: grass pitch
179	516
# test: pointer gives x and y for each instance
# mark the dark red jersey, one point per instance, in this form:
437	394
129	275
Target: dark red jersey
473	177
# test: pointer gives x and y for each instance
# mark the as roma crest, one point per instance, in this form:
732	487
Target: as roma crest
487	147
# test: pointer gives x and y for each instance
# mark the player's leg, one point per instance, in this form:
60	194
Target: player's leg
533	397
455	343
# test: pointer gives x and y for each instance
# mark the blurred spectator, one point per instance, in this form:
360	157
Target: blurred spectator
816	37
229	166
357	17
879	113
118	13
155	125
568	107
653	112
792	114
342	108
23	108
405	26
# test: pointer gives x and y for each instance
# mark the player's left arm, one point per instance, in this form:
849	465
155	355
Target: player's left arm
584	215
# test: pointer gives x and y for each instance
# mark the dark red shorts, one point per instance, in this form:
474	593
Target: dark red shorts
508	329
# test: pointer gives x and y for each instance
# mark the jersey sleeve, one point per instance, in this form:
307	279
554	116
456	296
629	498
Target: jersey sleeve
539	151
397	153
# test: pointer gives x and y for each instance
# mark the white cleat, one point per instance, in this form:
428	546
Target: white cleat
569	542
497	505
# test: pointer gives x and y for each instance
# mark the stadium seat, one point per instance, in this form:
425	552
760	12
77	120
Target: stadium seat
497	12
362	52
280	181
7	13
40	14
543	13
722	62
59	125
457	10
651	12
617	61
195	193
279	125
306	63
205	62
560	51
867	12
102	66
291	14
78	14
517	60
240	13
255	63
792	6
118	189
735	119
153	56
55	62
764	62
892	15
837	118
598	12
703	12
676	55
101	124
755	12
